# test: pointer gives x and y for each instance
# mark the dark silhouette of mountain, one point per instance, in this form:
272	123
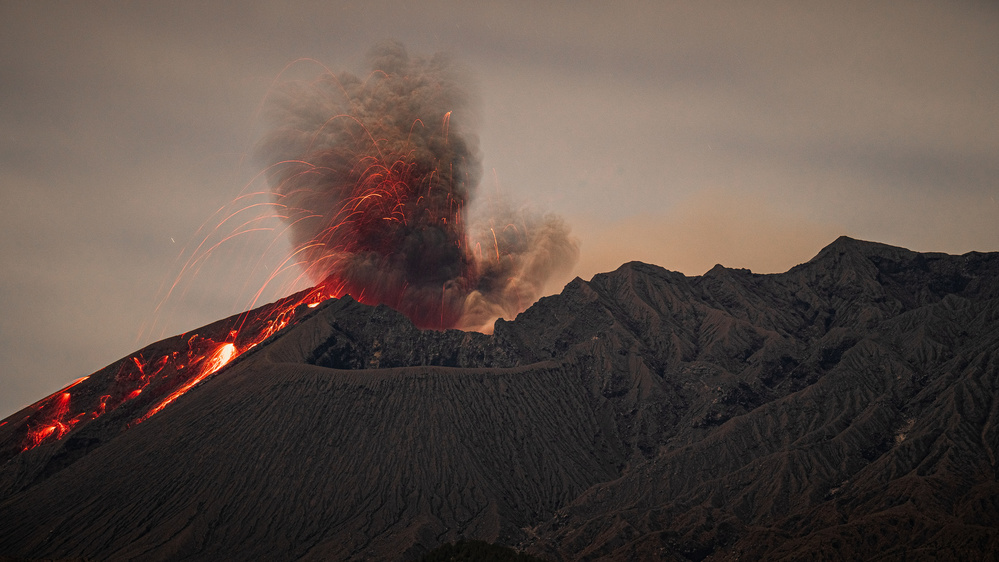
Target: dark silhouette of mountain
476	551
845	409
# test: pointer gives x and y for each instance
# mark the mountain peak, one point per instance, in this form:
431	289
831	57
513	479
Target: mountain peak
641	415
846	245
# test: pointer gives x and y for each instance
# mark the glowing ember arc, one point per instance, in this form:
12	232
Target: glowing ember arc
375	199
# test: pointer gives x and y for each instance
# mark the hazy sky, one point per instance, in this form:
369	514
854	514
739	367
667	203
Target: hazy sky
749	134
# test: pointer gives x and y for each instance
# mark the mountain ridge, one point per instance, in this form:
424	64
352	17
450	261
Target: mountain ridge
843	408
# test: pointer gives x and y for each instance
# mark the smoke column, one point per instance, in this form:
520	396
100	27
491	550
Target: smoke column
374	175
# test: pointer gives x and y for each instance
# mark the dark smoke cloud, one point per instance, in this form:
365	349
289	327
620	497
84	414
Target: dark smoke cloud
375	174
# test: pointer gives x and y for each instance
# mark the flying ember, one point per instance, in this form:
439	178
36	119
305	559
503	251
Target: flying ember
376	174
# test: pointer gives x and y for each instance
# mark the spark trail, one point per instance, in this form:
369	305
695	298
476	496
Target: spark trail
375	176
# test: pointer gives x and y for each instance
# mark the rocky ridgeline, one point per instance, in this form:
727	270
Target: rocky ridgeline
845	409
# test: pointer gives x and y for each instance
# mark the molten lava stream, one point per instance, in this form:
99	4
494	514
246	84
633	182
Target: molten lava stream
57	424
53	418
262	327
219	358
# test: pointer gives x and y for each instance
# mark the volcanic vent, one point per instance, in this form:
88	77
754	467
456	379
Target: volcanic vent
845	409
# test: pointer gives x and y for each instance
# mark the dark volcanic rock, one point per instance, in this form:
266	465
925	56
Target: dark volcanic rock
846	409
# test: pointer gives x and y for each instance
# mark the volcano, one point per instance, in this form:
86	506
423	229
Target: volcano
845	409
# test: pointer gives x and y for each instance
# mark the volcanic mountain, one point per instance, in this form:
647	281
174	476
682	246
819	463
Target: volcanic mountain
845	409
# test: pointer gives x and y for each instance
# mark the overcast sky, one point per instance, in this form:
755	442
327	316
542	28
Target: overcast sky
749	134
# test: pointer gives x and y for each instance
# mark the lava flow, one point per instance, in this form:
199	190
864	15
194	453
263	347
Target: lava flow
219	358
57	421
174	367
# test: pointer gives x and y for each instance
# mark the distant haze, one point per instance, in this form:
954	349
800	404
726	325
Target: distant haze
747	134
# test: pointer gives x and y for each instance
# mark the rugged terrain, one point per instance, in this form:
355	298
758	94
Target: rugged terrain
845	409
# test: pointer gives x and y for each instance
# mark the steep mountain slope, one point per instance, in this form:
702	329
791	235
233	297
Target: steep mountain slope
844	409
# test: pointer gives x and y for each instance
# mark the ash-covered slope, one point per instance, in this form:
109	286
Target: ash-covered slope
844	409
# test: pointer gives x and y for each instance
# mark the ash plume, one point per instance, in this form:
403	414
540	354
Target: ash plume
374	176
517	251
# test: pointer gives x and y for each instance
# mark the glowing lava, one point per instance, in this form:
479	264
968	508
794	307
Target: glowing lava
219	358
168	374
58	421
